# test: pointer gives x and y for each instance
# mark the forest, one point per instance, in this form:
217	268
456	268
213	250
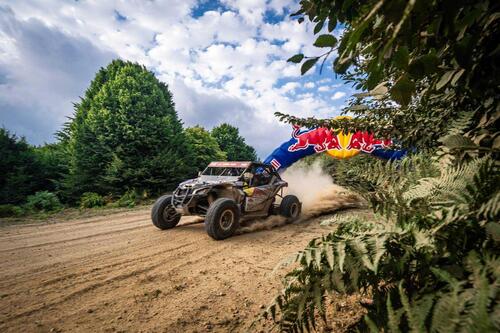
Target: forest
123	144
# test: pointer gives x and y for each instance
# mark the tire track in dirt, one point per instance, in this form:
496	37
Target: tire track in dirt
119	273
114	232
67	248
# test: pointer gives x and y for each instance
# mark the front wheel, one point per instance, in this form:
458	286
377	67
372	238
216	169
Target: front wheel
290	207
223	218
163	214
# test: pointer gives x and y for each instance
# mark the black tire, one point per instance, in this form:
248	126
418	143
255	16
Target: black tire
290	207
163	214
223	218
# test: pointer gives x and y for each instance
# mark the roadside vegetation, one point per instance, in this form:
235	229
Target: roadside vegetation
429	261
123	145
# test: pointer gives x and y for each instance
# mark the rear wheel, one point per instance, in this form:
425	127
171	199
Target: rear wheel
290	207
163	214
223	218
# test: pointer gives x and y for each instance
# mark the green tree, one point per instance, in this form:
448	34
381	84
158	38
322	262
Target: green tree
19	169
125	134
204	147
428	71
229	140
53	162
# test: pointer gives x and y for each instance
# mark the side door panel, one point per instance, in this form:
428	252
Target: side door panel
258	197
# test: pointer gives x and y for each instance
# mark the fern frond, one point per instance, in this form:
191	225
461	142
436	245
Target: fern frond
490	210
450	185
461	123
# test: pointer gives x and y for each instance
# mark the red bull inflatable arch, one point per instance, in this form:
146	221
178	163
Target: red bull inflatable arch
305	142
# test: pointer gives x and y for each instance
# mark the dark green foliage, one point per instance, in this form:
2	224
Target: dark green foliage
436	59
19	169
126	134
430	259
43	201
296	58
128	199
230	142
204	147
434	220
53	161
91	200
325	41
9	210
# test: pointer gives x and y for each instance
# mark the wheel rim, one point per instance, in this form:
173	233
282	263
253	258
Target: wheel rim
169	213
294	210
226	219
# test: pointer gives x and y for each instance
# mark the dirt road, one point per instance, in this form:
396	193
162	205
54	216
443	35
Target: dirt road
119	273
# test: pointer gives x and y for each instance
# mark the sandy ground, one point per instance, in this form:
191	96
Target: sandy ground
119	273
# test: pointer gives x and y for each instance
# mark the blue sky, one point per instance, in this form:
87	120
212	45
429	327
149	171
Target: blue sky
224	61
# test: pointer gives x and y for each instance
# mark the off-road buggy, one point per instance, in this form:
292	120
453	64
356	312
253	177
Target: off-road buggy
226	193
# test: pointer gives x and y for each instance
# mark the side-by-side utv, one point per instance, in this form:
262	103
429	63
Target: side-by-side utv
225	193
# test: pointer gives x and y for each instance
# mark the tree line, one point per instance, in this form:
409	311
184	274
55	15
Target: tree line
124	138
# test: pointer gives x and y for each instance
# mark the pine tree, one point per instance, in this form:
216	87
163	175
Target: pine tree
19	169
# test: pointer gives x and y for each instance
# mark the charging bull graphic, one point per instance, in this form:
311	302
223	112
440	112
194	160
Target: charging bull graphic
320	138
337	144
365	142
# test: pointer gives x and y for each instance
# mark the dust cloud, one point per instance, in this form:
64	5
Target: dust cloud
317	192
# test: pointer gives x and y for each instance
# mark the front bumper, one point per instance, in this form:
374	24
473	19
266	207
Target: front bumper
184	198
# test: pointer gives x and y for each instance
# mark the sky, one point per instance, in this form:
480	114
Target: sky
224	61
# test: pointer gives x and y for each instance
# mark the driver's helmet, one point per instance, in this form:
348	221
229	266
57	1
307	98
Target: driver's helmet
259	171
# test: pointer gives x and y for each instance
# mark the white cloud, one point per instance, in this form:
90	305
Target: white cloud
324	88
251	10
338	95
225	65
290	86
45	72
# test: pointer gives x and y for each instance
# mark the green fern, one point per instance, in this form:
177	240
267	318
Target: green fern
436	226
455	306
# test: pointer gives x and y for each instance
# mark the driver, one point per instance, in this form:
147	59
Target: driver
259	177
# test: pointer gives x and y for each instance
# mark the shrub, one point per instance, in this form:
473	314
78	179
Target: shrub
129	199
91	200
10	210
43	201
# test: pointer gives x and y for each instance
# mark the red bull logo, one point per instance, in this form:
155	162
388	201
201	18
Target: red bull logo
339	145
320	138
365	142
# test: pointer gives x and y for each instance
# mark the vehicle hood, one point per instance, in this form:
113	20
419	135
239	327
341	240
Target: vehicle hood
207	181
